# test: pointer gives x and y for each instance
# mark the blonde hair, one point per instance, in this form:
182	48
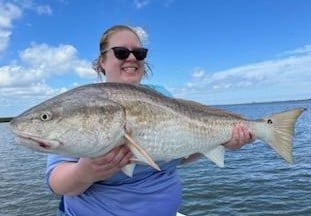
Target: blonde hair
103	44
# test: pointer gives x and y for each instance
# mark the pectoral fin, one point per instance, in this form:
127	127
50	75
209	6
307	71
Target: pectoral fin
217	155
139	153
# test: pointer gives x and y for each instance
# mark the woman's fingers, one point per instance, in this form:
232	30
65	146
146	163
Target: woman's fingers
241	135
117	157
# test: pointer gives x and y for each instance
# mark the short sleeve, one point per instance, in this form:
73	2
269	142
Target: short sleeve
53	160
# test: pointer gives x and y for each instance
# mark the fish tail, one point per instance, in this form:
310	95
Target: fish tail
280	132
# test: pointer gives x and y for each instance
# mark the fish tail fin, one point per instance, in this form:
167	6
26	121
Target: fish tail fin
281	135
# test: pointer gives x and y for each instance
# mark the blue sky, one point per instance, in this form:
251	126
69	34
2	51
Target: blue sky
211	51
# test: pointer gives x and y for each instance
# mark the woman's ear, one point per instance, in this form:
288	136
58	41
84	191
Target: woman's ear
102	62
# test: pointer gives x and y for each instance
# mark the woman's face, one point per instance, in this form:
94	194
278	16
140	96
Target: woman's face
128	70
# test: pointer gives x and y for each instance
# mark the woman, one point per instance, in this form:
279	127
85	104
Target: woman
96	186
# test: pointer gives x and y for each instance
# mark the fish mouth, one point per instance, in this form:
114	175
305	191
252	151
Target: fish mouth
37	142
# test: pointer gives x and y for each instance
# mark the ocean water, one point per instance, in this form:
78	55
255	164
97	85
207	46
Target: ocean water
255	181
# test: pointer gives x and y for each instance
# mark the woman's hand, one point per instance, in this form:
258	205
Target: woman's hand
102	167
73	178
241	135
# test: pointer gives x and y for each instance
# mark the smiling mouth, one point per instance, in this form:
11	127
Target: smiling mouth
130	69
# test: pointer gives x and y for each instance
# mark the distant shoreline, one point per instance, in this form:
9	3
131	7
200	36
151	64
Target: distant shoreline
264	102
5	119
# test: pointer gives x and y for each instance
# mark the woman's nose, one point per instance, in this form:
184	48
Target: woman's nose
131	57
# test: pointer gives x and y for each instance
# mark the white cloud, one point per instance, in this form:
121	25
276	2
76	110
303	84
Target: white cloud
83	68
198	73
141	3
290	74
302	50
143	35
33	5
50	59
58	60
24	80
15	75
41	61
14	99
8	13
33	90
44	9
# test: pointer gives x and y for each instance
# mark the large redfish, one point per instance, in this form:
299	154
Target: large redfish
90	120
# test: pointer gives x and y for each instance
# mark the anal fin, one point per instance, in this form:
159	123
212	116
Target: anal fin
216	155
129	169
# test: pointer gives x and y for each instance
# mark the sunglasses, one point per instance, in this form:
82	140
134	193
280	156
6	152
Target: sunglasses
123	53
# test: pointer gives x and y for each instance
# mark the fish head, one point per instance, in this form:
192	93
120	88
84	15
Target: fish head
71	125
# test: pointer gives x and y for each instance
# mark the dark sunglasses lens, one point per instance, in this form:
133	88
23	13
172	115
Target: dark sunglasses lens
121	53
140	53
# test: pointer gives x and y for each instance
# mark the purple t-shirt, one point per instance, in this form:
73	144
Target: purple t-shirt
148	192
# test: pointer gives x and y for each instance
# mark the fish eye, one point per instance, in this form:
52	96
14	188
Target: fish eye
46	116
